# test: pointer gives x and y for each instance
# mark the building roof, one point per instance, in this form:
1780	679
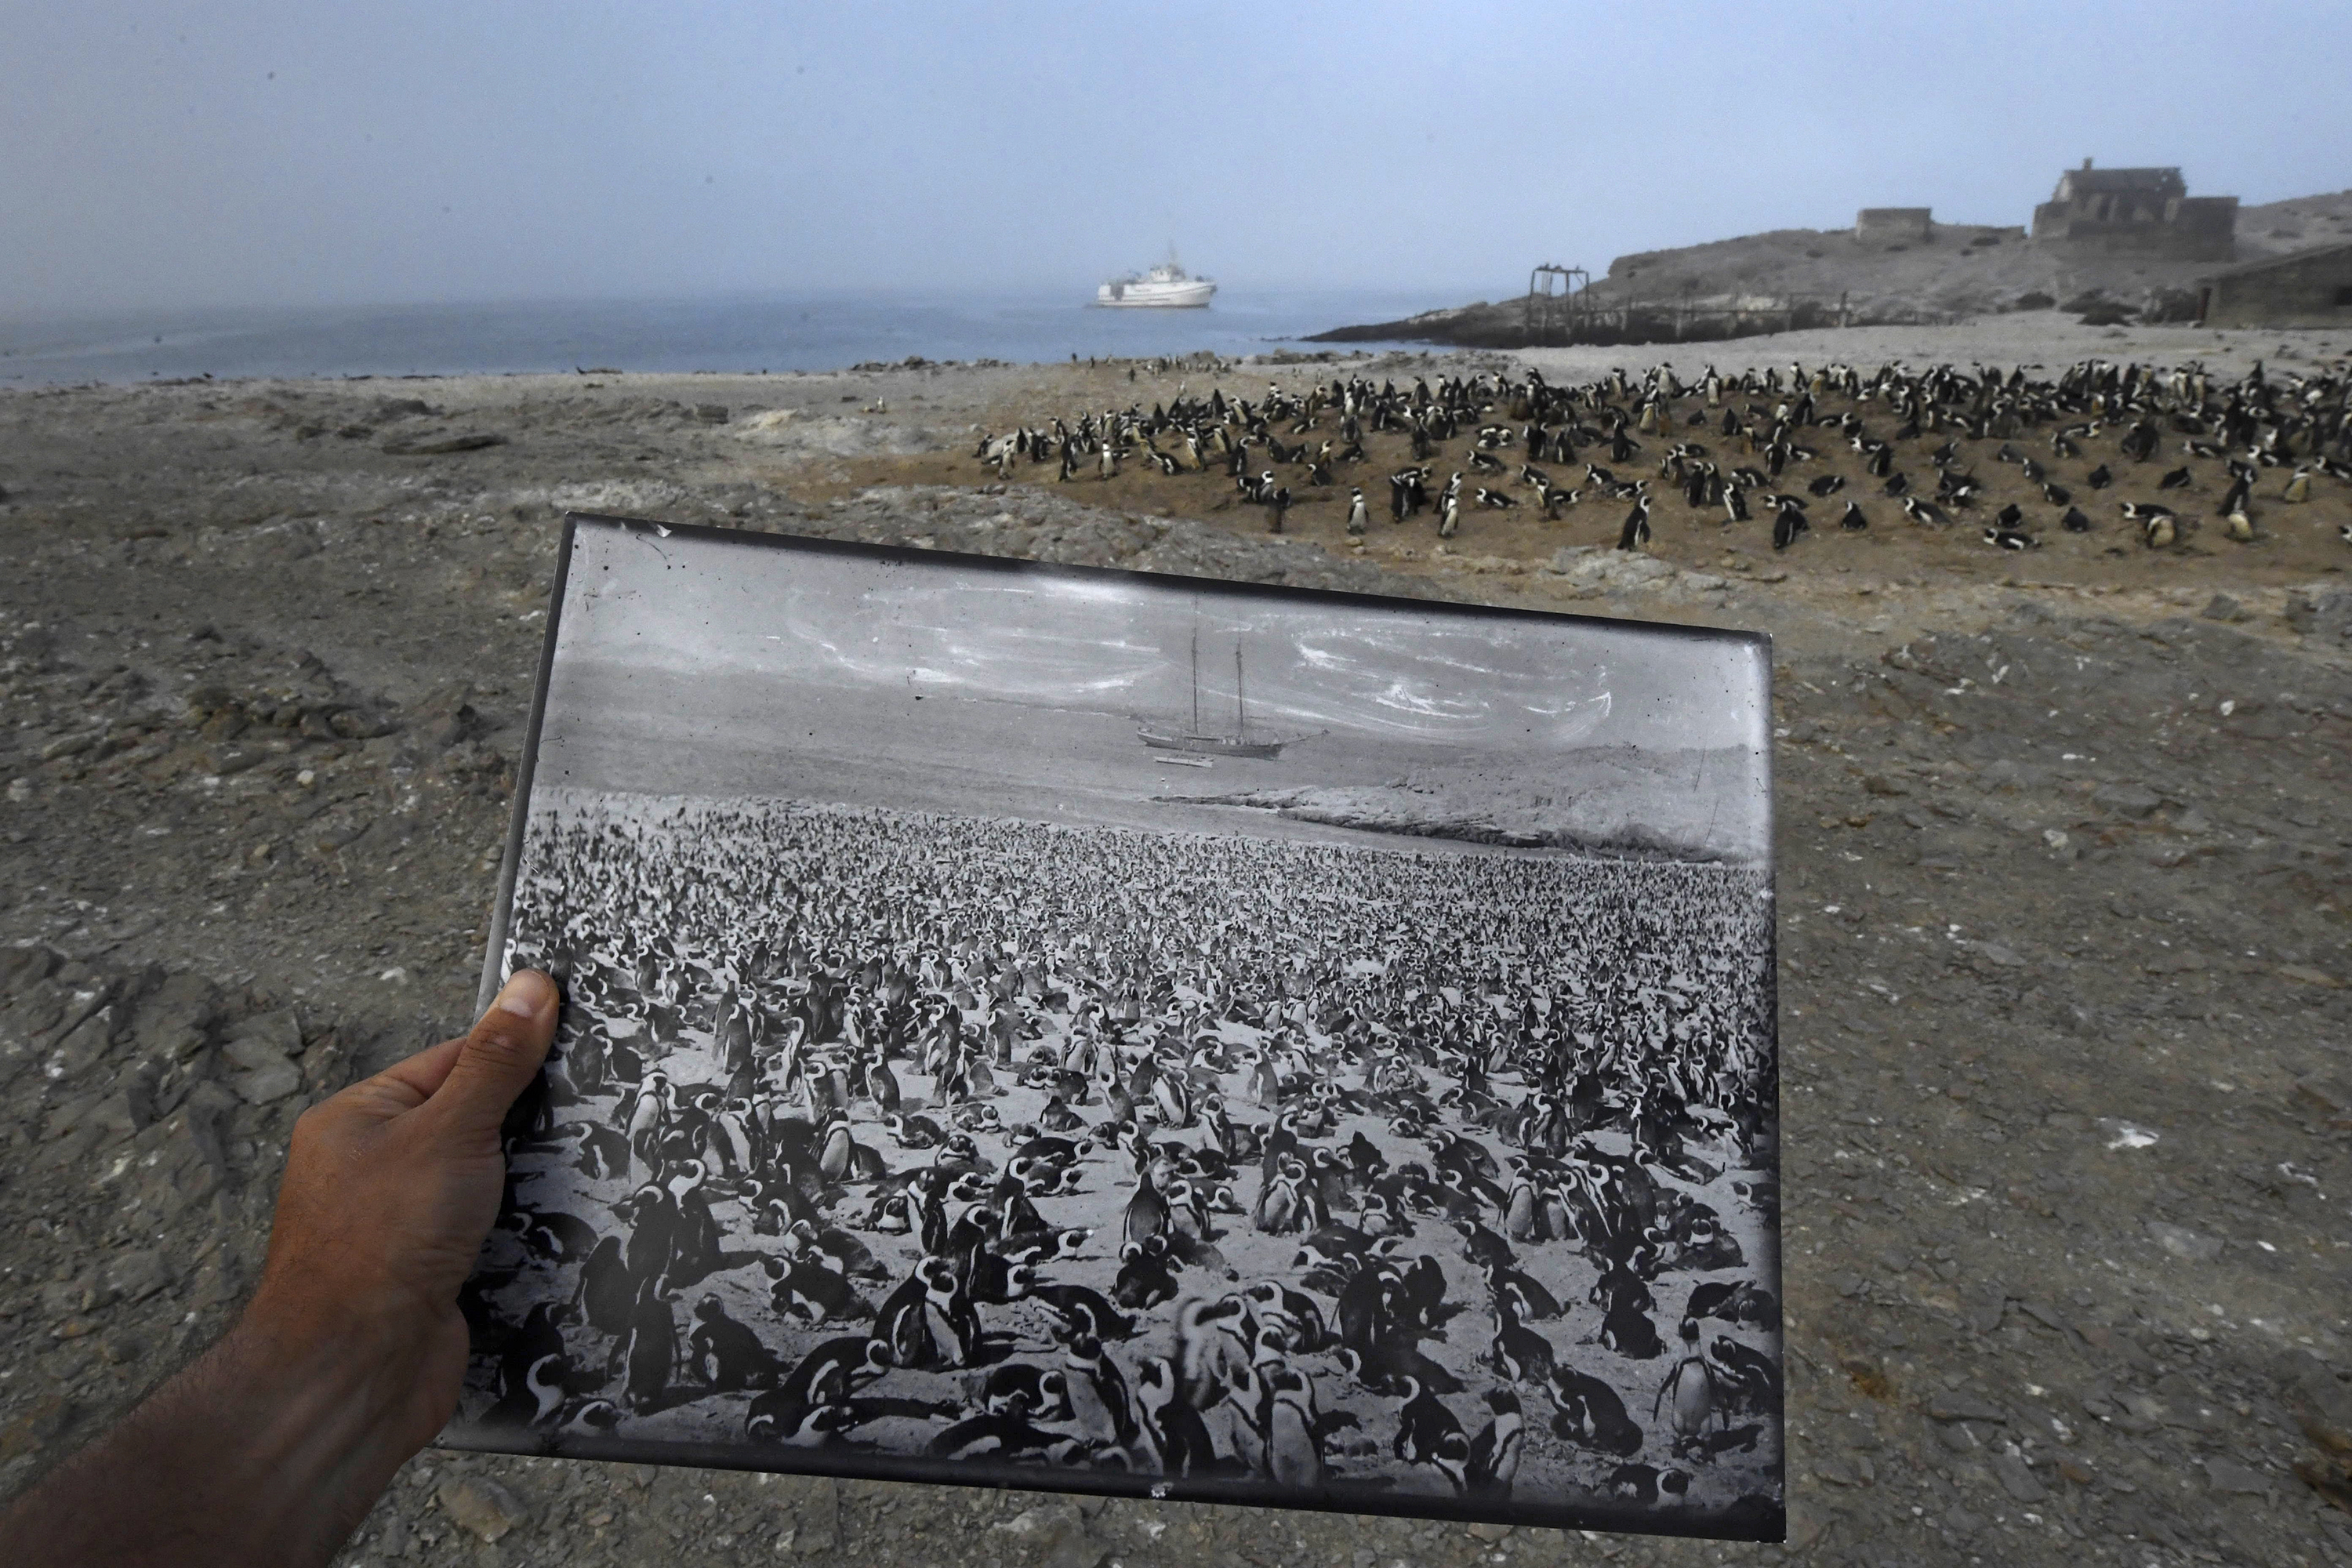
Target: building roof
2287	259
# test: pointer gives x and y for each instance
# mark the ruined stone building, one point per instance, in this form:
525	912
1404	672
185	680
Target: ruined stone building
2144	212
1894	225
2301	288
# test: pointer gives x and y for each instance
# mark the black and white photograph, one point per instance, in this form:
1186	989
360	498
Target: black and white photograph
1090	1030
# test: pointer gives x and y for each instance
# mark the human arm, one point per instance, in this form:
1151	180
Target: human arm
272	1445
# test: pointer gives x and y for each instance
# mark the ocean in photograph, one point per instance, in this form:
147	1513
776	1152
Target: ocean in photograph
1096	1032
782	331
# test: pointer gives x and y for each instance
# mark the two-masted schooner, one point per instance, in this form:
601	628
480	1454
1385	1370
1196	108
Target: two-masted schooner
1197	742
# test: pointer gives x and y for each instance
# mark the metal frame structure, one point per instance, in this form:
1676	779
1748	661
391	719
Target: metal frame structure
1549	311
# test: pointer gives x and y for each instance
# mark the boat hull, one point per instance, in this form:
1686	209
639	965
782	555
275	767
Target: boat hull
1213	745
1146	297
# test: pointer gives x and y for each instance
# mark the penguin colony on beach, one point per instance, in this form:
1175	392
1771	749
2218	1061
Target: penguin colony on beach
1732	450
1092	1148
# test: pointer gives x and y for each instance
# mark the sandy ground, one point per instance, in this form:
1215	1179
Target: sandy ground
2062	850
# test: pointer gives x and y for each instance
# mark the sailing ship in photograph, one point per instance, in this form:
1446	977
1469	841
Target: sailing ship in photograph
1198	742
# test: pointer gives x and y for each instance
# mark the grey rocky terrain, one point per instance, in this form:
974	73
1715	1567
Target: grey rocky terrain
2064	883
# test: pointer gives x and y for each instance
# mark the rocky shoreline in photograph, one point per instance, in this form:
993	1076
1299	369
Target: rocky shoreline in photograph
2064	864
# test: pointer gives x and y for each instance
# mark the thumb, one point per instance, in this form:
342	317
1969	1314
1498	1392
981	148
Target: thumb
499	1054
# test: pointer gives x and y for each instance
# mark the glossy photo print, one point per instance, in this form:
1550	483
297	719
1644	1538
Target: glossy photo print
1094	1031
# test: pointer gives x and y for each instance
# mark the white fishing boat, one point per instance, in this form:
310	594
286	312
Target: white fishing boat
1166	286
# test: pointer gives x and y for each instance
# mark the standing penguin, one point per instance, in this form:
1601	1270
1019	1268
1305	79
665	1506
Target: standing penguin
1635	534
1294	1454
1449	519
1357	517
1171	1432
1690	1385
649	1350
1494	1451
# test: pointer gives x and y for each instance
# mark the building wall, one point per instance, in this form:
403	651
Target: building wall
1899	225
2184	228
2312	290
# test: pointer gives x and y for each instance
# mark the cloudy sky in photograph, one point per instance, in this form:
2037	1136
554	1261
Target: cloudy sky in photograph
681	602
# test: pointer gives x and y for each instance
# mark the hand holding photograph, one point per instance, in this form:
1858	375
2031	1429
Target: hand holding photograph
1079	1029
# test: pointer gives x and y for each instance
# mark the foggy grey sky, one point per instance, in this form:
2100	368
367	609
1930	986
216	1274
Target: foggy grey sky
1107	645
281	153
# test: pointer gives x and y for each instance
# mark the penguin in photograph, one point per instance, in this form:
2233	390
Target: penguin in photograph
808	1291
1751	1380
1287	1319
1096	1392
1385	1366
1495	1451
1449	517
1591	1416
828	1375
1896	486
1690	1387
2075	521
1927	514
2009	538
1172	1436
1644	1484
1084	1311
2100	478
2298	486
651	1213
1494	499
1292	1427
2178	479
532	1394
1735	503
647	1353
607	1291
1853	520
2057	495
768	1422
1211	1347
2240	527
2158	531
553	1236
1146	1216
1518	1352
724	1354
1146	1278
1529	1301
1428	1434
589	1418
1625	1325
903	1324
1733	1301
1826	486
1357	515
851	1256
953	1320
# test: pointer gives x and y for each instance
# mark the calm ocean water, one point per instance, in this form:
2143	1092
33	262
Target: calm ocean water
774	332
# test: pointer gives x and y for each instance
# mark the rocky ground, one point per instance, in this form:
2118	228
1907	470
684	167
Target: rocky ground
2065	864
